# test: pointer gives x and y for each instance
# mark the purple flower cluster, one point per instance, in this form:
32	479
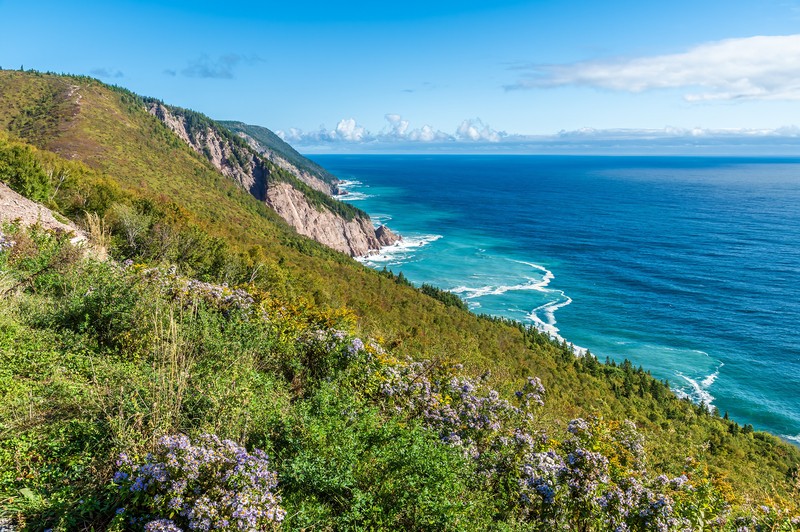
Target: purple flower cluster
210	484
176	287
463	410
161	525
5	242
335	341
597	475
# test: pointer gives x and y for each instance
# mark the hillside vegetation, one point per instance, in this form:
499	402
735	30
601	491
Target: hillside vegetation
349	399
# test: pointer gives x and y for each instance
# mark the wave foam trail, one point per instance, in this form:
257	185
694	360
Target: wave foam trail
548	324
379	219
699	389
708	381
348	183
493	290
352	196
399	251
792	438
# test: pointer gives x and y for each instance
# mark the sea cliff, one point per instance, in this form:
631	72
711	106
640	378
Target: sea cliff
255	169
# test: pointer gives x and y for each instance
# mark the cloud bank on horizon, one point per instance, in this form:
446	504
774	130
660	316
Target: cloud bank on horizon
473	136
753	68
347	131
741	69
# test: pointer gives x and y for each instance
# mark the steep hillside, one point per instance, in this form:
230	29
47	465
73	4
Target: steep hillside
105	127
282	154
298	197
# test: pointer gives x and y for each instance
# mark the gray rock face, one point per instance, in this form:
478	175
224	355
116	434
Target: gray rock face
16	207
304	176
386	237
356	237
217	151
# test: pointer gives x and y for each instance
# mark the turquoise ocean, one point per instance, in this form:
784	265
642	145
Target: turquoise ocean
689	267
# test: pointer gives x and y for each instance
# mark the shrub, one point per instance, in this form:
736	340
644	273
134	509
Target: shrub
21	169
199	486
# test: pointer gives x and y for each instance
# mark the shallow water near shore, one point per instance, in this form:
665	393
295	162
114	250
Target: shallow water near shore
689	267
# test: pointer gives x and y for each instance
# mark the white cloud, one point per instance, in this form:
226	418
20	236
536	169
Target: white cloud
476	130
765	67
399	126
474	137
670	132
348	131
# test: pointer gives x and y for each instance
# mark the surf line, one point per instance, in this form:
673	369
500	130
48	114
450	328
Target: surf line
699	390
546	325
399	253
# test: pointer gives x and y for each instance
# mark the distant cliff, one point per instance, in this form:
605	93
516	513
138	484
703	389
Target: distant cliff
272	147
300	196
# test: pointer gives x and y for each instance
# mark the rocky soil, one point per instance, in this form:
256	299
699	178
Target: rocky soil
16	207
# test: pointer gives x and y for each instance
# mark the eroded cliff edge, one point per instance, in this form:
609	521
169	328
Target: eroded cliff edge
357	237
256	173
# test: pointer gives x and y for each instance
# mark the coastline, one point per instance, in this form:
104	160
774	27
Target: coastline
383	236
633	299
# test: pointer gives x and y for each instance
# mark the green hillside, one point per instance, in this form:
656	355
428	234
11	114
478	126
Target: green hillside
381	406
274	143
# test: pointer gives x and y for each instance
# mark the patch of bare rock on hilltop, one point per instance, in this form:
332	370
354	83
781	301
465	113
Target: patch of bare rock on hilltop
16	207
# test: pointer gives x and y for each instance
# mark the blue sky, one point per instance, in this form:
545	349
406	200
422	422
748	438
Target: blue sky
427	76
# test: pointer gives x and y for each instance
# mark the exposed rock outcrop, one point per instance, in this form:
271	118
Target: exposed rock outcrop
303	175
13	206
356	237
247	171
386	237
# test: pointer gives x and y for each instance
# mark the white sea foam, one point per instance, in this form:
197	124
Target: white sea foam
399	252
380	219
494	290
547	322
792	438
698	388
352	196
350	183
708	381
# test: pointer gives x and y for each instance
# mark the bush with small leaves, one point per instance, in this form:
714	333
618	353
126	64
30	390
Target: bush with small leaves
209	484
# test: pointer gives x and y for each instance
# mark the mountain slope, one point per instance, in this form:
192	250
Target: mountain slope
102	126
304	201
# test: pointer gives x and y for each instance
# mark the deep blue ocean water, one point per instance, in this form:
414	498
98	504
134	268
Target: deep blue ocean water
689	267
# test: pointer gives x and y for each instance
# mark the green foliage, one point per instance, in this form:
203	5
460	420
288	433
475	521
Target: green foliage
344	465
106	359
448	298
243	155
21	169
